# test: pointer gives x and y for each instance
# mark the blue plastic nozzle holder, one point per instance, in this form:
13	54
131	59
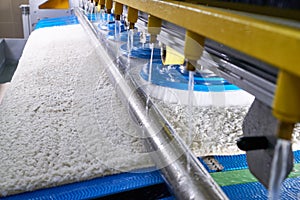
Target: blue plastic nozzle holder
176	76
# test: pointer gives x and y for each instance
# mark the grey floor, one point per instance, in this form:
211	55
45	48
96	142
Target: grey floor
6	73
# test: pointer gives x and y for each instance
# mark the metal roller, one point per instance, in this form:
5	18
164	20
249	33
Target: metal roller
166	148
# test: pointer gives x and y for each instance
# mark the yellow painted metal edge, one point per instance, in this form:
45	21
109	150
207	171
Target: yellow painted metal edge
252	8
55	4
275	44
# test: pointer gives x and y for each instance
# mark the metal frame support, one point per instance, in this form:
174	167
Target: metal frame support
25	9
37	14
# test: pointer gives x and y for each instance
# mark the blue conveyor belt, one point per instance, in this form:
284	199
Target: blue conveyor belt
59	21
99	187
105	186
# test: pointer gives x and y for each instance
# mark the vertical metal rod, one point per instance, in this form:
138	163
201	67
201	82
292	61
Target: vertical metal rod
26	20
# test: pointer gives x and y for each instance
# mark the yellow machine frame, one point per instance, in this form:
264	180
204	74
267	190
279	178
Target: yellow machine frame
55	4
267	40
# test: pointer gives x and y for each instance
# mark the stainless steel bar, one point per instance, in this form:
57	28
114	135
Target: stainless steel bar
261	88
166	148
26	20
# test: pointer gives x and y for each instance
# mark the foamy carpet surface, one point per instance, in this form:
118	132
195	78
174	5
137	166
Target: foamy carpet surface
57	121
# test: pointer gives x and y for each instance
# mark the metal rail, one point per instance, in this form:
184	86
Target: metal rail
166	148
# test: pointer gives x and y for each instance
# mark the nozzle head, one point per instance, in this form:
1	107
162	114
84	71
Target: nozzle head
190	67
285	130
118	17
153	38
131	25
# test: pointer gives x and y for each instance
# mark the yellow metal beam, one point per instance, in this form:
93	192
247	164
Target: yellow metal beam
55	4
252	8
275	44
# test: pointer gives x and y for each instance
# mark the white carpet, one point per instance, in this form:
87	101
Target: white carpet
3	88
215	130
61	121
57	121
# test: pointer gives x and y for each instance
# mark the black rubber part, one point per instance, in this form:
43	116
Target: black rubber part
252	143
